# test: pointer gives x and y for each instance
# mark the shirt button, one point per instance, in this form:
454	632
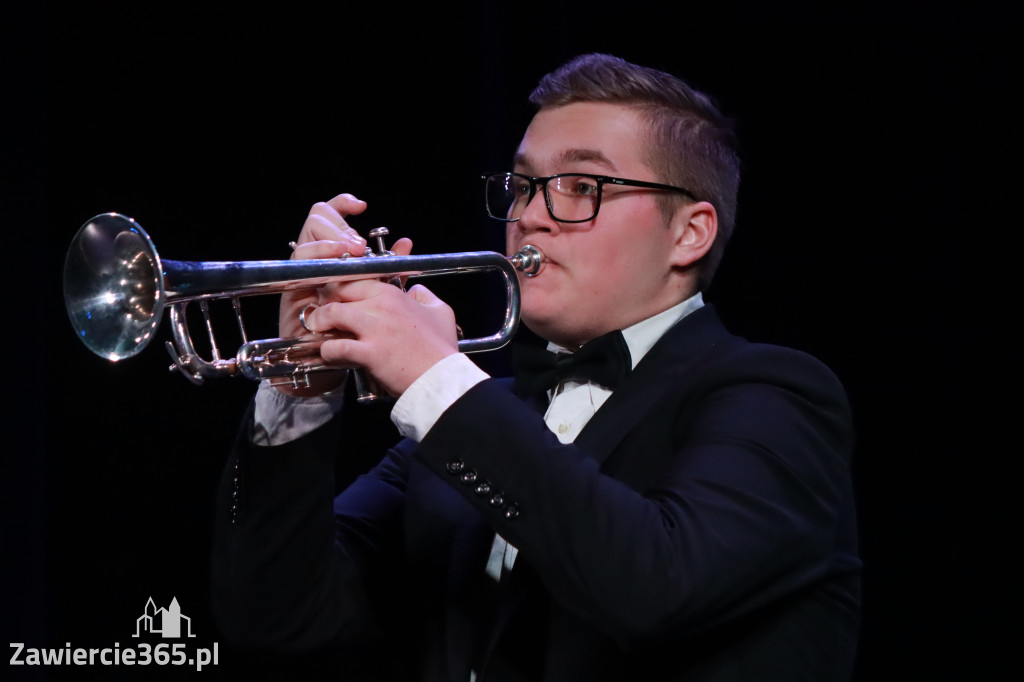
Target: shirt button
563	428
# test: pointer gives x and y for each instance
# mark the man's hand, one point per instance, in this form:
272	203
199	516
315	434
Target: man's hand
325	234
395	335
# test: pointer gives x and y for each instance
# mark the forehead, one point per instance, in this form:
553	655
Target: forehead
583	136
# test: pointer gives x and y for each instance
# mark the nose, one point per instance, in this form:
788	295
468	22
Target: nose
536	217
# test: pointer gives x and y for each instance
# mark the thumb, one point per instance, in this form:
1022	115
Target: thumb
403	247
423	295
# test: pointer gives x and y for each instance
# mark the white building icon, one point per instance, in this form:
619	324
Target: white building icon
165	621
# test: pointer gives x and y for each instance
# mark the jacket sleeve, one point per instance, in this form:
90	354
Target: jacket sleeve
286	574
726	498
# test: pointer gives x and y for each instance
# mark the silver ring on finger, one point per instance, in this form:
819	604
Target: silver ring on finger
302	316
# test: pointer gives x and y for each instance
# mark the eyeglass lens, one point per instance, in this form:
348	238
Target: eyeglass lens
570	198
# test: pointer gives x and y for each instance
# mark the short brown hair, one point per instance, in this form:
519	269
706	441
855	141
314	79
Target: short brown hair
690	143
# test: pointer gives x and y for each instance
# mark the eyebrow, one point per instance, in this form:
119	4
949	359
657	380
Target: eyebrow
571	156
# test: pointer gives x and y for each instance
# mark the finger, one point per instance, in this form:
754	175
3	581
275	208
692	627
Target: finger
362	290
326	219
338	209
427	298
324	224
336	317
423	295
347	204
292	305
328	249
403	247
345	352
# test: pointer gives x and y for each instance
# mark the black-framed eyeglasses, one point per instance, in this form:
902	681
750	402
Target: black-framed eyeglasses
570	197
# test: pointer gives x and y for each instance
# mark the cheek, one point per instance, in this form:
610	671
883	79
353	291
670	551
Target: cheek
603	267
620	272
510	236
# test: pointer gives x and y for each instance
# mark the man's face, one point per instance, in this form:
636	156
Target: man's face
614	270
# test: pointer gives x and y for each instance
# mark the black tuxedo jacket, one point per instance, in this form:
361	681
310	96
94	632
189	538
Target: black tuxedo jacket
701	527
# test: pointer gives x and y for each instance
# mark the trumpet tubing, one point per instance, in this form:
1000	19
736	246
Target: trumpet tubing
116	288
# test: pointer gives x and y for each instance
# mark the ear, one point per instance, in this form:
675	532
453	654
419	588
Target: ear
695	226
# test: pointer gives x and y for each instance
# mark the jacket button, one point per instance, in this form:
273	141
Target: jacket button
498	500
469	477
483	489
455	466
512	511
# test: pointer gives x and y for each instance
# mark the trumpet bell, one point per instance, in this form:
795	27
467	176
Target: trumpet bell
113	287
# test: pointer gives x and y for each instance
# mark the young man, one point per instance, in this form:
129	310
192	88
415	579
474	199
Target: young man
689	517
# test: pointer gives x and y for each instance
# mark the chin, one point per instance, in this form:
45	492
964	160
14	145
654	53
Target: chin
555	329
542	326
550	316
539	314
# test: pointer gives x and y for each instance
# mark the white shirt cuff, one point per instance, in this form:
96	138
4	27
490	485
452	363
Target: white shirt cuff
423	403
280	418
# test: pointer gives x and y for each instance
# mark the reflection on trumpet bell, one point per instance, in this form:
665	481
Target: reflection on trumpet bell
116	287
112	287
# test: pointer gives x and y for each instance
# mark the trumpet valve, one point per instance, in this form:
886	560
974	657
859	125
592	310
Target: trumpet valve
379	233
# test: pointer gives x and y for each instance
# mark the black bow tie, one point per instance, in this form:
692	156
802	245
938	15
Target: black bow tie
604	360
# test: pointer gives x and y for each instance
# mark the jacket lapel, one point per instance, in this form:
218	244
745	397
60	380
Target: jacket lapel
682	348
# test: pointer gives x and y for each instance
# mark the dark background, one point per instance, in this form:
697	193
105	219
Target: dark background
874	232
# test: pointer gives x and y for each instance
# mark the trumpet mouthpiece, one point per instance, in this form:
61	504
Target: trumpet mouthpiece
528	260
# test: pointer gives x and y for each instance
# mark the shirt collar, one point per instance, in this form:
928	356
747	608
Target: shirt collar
642	336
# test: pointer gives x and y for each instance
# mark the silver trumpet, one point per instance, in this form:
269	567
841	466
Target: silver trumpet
116	288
